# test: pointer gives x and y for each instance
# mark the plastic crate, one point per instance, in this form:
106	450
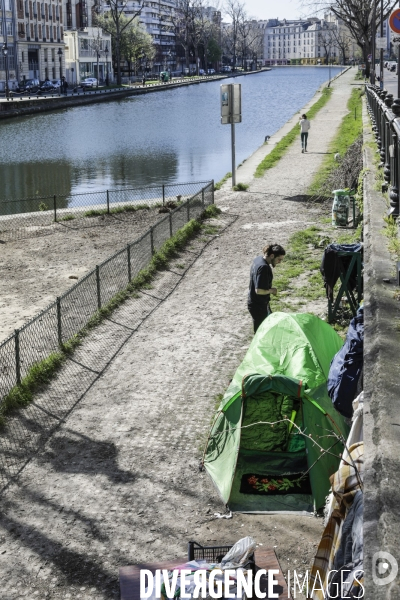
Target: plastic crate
213	554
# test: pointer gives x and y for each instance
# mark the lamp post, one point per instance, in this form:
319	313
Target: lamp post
106	51
98	58
5	54
59	53
329	65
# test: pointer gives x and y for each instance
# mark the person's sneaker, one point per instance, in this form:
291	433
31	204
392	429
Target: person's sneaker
302	150
305	150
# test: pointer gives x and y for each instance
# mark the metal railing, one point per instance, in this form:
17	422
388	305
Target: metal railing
31	217
69	314
385	117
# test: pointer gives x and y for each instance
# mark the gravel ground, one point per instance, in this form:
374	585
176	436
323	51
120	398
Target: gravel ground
34	270
101	471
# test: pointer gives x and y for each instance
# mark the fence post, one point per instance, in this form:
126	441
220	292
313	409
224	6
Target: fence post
108	203
212	191
17	357
202	198
170	224
151	240
394	192
188	209
59	329
163	194
98	286
128	251
55	208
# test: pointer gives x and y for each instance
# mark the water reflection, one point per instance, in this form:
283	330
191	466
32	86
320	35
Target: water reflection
174	135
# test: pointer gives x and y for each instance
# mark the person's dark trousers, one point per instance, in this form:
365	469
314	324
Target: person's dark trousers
304	137
258	317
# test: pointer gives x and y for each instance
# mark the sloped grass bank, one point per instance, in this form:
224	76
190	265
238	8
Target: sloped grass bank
349	130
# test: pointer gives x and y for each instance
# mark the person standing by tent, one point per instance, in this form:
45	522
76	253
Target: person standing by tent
260	287
304	129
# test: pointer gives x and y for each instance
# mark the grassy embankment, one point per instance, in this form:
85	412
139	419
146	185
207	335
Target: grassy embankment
297	278
42	372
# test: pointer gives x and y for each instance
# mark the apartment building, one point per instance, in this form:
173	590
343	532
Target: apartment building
32	40
300	42
87	47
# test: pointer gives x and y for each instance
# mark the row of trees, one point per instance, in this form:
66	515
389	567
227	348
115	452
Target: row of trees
196	30
200	36
242	37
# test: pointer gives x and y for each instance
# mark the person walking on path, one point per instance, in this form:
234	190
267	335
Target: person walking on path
304	129
260	287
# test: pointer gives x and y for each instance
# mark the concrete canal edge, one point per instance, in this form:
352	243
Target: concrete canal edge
39	104
381	390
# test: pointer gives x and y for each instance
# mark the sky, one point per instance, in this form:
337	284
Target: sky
271	9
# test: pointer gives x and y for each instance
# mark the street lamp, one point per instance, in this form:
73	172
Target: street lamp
106	51
60	59
98	58
5	54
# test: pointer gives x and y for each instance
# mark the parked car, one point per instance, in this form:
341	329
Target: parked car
28	85
89	82
56	83
202	72
211	71
48	86
226	69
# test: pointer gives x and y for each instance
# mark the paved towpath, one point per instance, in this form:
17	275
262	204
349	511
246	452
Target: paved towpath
117	482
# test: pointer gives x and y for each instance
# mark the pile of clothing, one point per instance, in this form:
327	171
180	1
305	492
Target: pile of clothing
338	565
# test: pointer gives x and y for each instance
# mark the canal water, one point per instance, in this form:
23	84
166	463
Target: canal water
171	136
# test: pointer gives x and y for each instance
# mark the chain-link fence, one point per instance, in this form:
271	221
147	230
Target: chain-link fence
64	318
38	216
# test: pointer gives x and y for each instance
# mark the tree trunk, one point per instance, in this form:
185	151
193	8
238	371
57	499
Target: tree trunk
118	52
366	52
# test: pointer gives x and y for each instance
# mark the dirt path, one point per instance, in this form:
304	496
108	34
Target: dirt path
118	483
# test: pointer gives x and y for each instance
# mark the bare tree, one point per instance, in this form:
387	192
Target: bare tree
208	27
186	22
357	16
115	22
236	13
250	39
342	40
326	40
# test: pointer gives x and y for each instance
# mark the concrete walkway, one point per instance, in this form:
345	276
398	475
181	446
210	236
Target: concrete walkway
117	482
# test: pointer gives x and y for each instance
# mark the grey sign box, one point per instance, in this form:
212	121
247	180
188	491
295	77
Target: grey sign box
231	103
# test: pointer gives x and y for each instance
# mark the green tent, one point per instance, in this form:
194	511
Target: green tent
282	380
